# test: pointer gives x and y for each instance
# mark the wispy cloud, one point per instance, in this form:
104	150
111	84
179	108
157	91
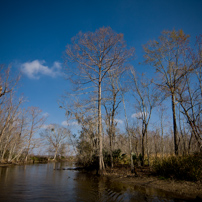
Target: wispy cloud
138	115
74	123
37	68
46	114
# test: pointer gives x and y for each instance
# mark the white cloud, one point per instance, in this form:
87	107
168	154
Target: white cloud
46	114
118	121
36	68
139	115
57	65
74	123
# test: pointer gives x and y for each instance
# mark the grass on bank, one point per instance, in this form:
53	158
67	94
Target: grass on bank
179	167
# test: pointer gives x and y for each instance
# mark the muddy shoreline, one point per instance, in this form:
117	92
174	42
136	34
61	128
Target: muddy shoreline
147	183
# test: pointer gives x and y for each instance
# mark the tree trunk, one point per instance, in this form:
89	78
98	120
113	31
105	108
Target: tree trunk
3	153
131	153
143	149
11	152
162	142
174	125
147	149
101	161
111	150
26	156
56	151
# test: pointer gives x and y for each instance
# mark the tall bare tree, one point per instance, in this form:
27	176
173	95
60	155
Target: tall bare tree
168	55
89	58
189	95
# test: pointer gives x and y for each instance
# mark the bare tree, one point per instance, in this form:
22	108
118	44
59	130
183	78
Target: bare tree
161	111
7	82
168	55
55	137
87	146
18	143
146	99
189	95
94	55
129	136
36	121
111	105
8	123
83	113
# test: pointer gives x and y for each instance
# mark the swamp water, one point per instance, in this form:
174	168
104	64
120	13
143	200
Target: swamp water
41	183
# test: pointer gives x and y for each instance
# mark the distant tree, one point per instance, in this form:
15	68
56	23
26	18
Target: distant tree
146	99
35	122
55	137
18	145
95	54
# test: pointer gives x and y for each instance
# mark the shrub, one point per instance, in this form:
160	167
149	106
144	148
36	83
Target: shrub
135	159
116	156
181	168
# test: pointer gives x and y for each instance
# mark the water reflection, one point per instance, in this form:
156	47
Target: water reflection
50	182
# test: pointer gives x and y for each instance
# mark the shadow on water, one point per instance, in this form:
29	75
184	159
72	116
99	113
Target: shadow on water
53	182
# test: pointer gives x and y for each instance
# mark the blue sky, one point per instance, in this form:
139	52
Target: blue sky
34	34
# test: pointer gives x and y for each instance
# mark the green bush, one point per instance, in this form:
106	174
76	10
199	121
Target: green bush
135	159
181	168
116	156
39	158
106	157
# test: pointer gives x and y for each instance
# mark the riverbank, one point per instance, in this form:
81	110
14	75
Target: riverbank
148	183
5	165
19	163
35	159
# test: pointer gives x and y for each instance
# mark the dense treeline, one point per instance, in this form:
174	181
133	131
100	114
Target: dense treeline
99	65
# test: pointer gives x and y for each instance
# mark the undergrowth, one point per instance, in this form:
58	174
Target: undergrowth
180	167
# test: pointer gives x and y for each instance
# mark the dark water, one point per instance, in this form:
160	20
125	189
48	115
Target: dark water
40	182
